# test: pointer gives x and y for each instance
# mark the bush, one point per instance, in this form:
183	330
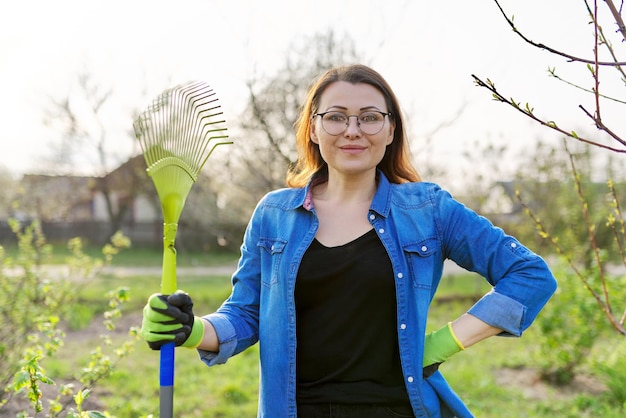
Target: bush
569	326
34	303
612	371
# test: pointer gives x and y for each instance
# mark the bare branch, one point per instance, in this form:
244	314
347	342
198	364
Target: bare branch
600	125
618	18
552	50
553	73
527	111
554	241
590	230
604	40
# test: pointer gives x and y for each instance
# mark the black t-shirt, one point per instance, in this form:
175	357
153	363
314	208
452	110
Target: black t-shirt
346	325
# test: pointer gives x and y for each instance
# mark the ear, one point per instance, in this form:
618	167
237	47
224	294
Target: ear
313	135
392	128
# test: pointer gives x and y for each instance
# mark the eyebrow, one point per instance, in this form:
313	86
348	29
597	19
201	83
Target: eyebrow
361	109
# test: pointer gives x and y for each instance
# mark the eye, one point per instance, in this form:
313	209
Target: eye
370	117
335	117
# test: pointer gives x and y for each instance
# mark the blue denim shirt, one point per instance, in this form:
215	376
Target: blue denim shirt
420	226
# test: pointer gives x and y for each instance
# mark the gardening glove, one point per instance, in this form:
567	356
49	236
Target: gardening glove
170	318
439	346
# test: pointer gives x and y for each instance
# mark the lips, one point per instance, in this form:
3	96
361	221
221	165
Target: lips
352	149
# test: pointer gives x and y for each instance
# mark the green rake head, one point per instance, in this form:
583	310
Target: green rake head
178	133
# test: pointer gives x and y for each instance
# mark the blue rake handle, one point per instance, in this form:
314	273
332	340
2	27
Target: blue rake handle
168	286
166	379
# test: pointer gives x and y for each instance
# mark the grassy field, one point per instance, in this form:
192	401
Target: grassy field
496	378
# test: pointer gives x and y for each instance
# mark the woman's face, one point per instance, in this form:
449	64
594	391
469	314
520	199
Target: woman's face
352	151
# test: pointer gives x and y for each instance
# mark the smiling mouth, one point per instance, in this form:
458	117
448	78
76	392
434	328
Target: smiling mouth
352	150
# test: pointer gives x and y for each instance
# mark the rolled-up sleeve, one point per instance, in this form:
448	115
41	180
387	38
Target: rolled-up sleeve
227	339
522	281
501	312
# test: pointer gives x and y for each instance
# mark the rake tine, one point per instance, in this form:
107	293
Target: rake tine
177	134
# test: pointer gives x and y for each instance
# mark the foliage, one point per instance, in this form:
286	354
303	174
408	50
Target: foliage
556	184
594	272
612	370
34	303
593	248
260	164
232	390
569	326
601	43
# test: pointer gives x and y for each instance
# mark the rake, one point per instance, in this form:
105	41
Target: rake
178	132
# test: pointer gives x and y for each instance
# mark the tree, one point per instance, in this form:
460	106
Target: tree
597	282
259	163
595	65
86	138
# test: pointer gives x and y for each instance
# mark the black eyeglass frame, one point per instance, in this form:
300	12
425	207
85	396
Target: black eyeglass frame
389	114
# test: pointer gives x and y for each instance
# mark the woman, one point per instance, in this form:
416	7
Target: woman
337	272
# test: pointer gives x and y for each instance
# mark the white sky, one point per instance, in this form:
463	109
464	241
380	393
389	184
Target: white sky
426	50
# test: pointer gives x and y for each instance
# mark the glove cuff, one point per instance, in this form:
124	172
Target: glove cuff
455	338
446	342
197	333
441	345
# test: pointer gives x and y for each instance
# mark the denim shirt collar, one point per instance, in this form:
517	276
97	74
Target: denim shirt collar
381	203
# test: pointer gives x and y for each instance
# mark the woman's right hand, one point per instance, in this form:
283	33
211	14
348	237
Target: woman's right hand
170	318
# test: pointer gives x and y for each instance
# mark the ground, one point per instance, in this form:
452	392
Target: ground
525	380
530	385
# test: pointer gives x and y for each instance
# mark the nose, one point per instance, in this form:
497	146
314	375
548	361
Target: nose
353	128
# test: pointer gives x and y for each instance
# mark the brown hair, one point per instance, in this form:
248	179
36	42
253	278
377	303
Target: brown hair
396	164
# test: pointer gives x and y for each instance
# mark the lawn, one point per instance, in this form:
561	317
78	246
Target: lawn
496	378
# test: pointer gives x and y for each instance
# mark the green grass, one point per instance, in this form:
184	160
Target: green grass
135	257
231	390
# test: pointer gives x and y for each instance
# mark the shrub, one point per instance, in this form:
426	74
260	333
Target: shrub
34	302
569	327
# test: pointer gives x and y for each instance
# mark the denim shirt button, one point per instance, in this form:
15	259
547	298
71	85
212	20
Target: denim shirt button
424	248
402	326
513	245
372	216
381	230
400	275
410	379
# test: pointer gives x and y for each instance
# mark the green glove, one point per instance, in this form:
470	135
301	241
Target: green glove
439	346
168	318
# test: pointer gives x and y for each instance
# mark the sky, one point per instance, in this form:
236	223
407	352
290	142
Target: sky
427	51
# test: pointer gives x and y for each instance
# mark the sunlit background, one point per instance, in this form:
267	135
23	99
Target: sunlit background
427	51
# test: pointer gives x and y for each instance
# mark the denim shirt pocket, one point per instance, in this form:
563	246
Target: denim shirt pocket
270	259
420	256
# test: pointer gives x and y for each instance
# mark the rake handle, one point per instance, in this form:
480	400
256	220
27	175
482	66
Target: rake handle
168	286
166	379
168	275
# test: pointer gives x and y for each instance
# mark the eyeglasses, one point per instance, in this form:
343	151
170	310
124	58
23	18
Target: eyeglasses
370	122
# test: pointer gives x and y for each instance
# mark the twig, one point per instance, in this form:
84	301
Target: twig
550	124
553	73
590	228
605	41
596	76
552	50
543	233
601	126
618	18
619	219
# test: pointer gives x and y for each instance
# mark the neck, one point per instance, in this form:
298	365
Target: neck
348	188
